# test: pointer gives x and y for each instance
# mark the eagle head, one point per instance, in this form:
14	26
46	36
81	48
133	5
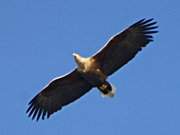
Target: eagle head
80	61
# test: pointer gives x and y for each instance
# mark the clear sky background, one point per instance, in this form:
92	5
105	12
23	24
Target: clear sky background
37	38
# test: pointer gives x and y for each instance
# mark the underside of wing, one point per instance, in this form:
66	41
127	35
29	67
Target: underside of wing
125	45
58	93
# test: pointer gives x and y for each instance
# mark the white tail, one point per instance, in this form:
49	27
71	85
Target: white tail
111	93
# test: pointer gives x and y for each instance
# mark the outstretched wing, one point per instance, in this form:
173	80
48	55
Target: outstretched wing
125	45
57	94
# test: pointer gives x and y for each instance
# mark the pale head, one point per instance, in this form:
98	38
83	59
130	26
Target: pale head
77	57
79	60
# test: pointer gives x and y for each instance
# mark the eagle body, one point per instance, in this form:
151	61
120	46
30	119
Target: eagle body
92	72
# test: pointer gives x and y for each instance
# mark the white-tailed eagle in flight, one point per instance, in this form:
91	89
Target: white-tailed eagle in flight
92	72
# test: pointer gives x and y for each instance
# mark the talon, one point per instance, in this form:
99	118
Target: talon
103	86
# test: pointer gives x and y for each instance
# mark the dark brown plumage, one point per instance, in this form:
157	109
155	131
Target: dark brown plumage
118	51
122	47
61	91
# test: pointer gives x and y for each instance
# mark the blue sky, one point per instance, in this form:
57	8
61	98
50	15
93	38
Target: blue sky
37	38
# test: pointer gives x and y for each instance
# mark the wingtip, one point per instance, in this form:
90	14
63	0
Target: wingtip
147	21
36	113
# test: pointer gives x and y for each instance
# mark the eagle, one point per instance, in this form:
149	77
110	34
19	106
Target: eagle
93	72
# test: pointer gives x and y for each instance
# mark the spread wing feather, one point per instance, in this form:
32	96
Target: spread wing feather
125	45
58	93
